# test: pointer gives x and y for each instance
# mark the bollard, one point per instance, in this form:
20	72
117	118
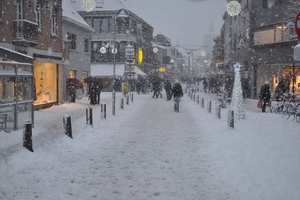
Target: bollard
27	135
132	97
122	103
209	106
198	99
194	96
67	125
231	119
202	102
218	111
89	116
103	110
127	99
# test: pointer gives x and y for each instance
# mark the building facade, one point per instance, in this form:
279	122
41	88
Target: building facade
262	38
33	28
76	50
116	27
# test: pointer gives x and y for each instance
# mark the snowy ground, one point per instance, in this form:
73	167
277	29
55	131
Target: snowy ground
147	151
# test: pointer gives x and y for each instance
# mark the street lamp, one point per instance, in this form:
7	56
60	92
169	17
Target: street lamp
121	13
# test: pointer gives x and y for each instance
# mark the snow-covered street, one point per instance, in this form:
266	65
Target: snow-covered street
148	151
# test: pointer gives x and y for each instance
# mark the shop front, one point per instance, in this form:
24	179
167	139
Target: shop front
16	89
288	74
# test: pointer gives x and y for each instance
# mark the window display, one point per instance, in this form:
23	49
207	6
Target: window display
45	83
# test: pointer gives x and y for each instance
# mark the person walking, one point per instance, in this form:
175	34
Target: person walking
177	93
265	95
168	88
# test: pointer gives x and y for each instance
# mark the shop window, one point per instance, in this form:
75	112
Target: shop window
45	83
72	74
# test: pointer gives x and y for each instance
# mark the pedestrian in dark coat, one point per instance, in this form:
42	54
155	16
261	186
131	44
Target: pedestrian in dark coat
265	94
98	91
168	88
177	93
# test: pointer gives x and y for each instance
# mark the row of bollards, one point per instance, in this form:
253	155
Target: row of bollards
230	117
27	130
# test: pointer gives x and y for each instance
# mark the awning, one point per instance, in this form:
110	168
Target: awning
106	70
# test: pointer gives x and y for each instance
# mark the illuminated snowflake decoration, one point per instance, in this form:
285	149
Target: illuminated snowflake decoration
233	8
88	5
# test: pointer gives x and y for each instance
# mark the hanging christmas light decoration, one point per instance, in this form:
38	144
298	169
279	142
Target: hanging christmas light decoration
88	5
233	8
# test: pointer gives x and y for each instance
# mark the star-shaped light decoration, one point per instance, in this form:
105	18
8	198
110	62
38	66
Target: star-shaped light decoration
237	67
88	5
233	8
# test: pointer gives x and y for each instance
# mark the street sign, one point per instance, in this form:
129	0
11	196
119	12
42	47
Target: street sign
297	25
129	51
129	68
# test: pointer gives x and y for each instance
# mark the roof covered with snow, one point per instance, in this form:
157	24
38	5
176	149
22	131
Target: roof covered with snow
70	14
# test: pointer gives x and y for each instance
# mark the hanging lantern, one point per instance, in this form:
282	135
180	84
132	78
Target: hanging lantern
88	5
233	8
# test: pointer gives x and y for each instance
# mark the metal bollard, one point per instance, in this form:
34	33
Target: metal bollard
67	125
127	99
27	135
198	99
103	110
202	102
132	97
89	116
218	111
230	119
209	106
122	103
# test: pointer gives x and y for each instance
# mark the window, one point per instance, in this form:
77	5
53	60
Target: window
39	12
264	3
274	34
54	20
1	9
20	10
86	45
72	37
101	24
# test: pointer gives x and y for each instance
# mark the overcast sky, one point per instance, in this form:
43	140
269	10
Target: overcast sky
183	21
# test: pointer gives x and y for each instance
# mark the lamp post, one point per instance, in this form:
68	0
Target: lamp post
120	13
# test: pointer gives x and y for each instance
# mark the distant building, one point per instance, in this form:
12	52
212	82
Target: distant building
76	48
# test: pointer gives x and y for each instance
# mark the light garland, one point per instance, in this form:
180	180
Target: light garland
233	8
88	5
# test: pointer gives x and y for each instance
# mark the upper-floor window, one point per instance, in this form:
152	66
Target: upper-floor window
86	45
101	24
39	12
72	37
274	34
20	9
54	19
1	10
